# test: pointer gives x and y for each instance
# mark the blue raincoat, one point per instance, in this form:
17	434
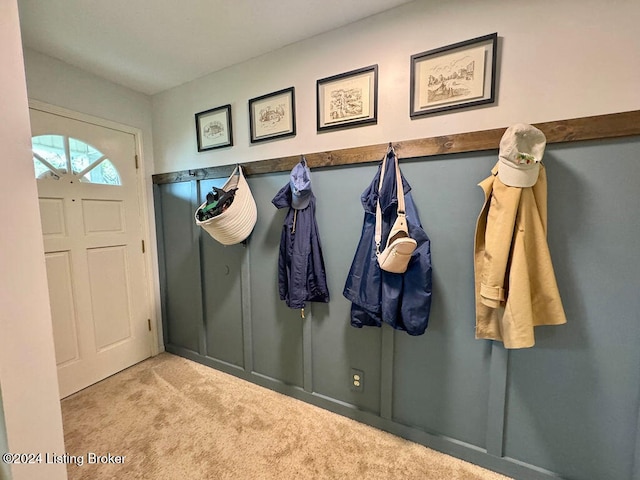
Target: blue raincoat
301	273
401	300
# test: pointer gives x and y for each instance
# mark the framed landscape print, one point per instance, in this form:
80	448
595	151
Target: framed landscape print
213	128
348	100
273	115
456	76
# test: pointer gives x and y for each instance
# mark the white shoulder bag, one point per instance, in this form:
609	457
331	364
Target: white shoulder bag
396	255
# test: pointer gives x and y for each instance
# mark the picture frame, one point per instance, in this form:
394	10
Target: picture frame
214	128
273	115
347	100
456	76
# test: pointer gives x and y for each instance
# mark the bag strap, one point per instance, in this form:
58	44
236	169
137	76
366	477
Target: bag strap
399	189
399	192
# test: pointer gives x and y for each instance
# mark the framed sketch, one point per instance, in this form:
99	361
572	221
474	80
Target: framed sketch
456	76
273	115
348	100
213	128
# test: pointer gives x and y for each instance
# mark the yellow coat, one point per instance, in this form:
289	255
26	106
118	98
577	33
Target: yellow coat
515	286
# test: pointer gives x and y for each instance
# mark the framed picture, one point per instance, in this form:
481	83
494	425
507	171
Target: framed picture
213	128
273	115
348	100
456	76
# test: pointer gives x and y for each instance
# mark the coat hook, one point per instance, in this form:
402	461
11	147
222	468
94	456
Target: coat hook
390	149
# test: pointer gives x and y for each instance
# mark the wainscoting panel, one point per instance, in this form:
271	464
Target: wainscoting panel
566	408
441	379
336	345
572	400
182	289
222	295
276	329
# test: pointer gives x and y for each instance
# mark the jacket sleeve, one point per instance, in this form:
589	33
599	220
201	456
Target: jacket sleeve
501	219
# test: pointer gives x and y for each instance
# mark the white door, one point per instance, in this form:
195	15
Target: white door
92	227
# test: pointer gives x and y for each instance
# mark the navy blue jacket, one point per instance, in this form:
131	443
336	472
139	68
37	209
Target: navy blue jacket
301	273
401	300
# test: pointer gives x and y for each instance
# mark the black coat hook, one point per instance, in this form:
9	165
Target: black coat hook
390	149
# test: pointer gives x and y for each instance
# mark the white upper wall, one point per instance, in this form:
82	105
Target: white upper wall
558	59
57	83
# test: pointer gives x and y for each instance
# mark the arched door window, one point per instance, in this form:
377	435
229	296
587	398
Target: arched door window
55	156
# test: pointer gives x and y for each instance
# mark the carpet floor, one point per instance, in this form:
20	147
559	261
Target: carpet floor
171	418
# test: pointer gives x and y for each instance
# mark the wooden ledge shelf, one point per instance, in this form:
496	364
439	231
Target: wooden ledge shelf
598	127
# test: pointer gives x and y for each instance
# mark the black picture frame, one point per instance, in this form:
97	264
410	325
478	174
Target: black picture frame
273	116
455	76
361	88
214	128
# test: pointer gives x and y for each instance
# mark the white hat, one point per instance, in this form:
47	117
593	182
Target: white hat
521	151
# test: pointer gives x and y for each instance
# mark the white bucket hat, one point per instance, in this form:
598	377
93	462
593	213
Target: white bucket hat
521	151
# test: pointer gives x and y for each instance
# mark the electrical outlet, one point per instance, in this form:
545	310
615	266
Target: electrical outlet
356	380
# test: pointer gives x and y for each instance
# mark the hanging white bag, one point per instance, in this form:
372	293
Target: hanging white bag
236	223
400	246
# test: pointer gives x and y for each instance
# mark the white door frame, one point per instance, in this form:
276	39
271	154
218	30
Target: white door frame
153	289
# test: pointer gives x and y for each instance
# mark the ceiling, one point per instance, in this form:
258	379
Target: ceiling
153	45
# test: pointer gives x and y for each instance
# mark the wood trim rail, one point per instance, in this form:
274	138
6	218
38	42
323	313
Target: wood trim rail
598	127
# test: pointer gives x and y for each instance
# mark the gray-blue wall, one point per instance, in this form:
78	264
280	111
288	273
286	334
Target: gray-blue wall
567	408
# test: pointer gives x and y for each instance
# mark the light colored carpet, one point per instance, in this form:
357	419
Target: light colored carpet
176	419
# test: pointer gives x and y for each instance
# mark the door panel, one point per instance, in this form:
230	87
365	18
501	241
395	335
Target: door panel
109	295
92	237
52	216
102	216
63	311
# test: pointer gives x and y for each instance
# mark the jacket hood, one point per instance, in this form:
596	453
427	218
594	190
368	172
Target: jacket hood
388	197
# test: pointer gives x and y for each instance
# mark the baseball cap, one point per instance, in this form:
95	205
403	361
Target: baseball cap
521	151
